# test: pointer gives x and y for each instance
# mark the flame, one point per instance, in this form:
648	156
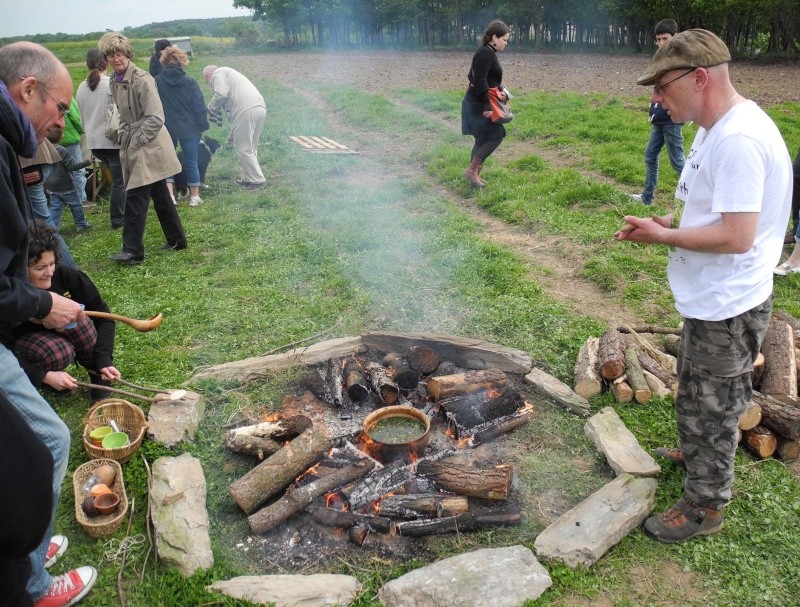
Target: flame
336	501
271	417
312	471
493	393
528	408
464	442
451	433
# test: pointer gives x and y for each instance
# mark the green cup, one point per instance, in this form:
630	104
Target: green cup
115	440
98	434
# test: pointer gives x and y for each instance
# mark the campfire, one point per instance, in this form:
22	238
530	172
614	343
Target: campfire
383	444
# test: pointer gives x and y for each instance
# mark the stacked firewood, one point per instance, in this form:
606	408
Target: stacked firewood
635	370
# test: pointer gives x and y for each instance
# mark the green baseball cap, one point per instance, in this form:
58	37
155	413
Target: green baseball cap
687	49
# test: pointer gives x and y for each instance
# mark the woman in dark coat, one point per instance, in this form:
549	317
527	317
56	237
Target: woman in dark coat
185	115
484	74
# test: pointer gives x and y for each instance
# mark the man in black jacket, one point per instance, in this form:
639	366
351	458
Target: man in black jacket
35	94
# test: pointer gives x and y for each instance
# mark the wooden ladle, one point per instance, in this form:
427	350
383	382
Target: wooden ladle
138	324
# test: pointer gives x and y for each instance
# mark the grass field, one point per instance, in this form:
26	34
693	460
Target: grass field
338	244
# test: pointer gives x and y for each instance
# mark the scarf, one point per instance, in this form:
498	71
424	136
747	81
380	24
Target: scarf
29	141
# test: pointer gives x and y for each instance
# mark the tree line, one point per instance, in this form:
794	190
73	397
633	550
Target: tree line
747	26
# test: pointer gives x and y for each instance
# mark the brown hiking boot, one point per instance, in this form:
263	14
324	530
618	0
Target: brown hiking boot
472	173
673	454
683	521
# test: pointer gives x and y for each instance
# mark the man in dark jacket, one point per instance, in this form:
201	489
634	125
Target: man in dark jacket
35	94
662	130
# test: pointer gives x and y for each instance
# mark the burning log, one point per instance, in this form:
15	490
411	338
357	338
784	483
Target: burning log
587	378
463	522
383	386
493	484
423	359
782	417
295	500
389	478
780	370
633	371
335	380
434	505
466	412
345	520
495	429
611	354
358	534
276	472
761	441
261	440
402	374
445	386
355	382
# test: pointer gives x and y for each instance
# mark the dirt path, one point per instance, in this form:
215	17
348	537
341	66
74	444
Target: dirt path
555	262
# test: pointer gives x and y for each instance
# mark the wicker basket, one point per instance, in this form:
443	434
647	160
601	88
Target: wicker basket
128	417
105	524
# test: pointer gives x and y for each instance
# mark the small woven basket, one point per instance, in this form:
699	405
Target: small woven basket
105	524
128	417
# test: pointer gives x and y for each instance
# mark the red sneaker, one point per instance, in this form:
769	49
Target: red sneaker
69	588
58	546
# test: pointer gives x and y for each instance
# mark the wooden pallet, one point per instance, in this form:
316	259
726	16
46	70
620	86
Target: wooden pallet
321	144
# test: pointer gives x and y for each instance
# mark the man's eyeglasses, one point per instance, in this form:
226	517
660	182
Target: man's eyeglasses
62	107
659	88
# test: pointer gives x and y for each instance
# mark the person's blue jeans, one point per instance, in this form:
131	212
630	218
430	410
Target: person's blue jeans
49	427
79	176
672	135
41	213
72	200
189	147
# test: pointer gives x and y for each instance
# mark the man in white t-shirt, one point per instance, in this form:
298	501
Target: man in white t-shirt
736	189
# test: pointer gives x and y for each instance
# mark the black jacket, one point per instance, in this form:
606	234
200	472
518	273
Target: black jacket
185	113
19	299
485	73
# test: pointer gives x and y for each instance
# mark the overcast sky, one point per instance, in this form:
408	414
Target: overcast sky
21	17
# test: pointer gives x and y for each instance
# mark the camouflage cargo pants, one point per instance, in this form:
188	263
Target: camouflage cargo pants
714	388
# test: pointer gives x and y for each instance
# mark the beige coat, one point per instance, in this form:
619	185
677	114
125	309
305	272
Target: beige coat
146	149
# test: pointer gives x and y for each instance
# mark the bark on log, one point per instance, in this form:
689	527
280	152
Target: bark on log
431	505
358	534
345	520
611	355
780	370
666	361
276	472
670	380
788	450
751	417
560	392
622	391
495	429
401	372
464	522
445	386
587	369
461	479
355	381
657	387
636	380
295	500
650	329
250	445
423	359
793	322
761	441
465	413
782	417
672	344
336	380
383	386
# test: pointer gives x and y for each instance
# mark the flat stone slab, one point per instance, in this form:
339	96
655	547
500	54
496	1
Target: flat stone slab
178	511
613	439
319	590
496	577
554	388
171	422
584	534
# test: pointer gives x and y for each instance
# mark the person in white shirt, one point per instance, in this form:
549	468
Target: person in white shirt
736	193
239	98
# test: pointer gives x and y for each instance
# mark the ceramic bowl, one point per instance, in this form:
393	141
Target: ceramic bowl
98	434
106	503
115	440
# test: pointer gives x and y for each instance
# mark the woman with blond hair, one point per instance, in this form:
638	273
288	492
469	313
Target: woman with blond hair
146	151
185	115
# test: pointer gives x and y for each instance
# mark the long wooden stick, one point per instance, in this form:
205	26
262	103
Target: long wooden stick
116	391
